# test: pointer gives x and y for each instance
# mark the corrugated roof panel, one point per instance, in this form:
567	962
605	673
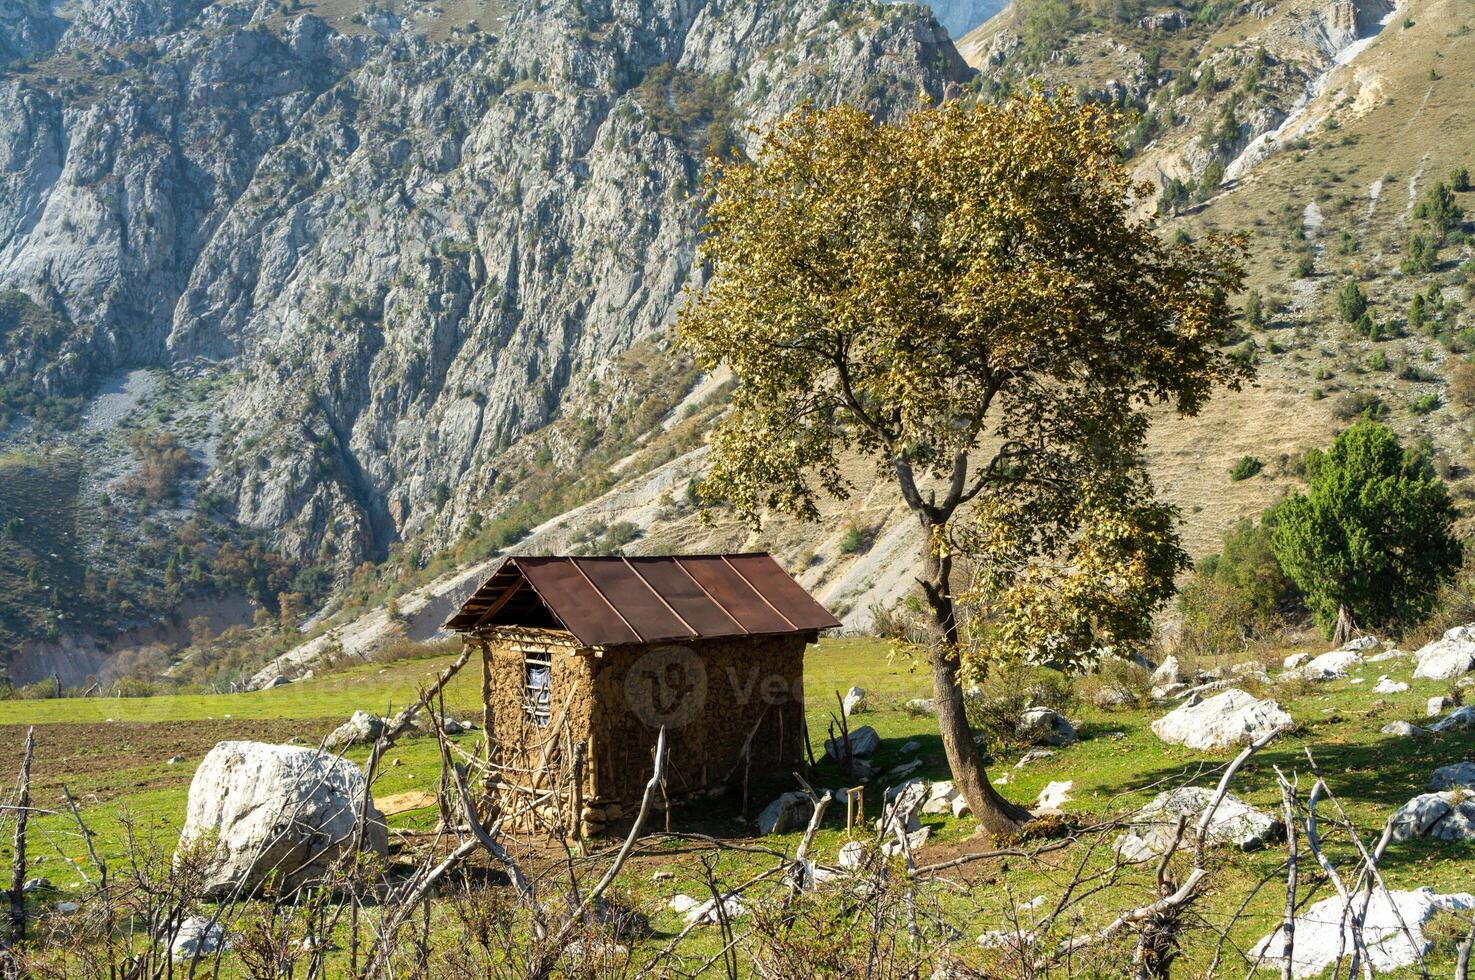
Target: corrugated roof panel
730	590
790	598
577	604
636	603
686	597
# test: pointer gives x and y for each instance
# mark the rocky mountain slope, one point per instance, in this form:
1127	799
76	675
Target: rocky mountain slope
363	250
414	311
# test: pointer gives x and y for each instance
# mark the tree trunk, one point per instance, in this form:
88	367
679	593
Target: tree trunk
995	814
1345	628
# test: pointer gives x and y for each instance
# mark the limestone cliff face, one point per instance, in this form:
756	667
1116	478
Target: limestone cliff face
402	249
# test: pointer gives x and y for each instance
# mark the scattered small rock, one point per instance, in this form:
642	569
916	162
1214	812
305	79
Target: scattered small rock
1404	729
916	840
67	908
1296	660
1438	705
37	885
910	747
663	876
175	760
852	853
362	727
1387	685
1361	643
1386	655
1034	755
921	706
940	797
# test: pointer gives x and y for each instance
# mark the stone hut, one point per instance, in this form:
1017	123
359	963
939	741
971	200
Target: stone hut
585	659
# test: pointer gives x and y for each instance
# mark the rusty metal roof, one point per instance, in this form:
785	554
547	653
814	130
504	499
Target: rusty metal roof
614	601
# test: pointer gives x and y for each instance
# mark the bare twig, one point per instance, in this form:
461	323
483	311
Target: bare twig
18	856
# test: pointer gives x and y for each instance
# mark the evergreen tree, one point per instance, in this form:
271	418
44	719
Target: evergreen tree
1372	539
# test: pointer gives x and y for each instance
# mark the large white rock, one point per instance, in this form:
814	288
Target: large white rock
1320	932
1046	726
198	938
1235	823
791	811
268	809
1054	796
1331	666
855	701
1449	656
1460	718
361	727
1229	718
1171	672
863	741
1448	816
1461	774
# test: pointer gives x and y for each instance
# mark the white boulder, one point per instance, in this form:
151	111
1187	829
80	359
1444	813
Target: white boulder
1054	796
863	741
360	728
267	809
852	853
1387	685
1461	774
1296	660
1404	729
1331	666
197	938
1235	823
789	812
901	806
1361	643
915	841
1447	816
1460	718
1448	657
1438	705
1046	726
1170	672
854	702
1321	933
1229	718
940	797
921	706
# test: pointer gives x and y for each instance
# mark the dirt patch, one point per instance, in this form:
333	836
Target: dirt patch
109	760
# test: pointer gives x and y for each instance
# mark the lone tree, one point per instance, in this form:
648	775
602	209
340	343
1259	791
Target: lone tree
1371	540
966	299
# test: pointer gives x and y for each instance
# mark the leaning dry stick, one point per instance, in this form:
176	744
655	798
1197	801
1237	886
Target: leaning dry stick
1288	814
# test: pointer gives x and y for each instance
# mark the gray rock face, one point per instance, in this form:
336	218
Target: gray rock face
275	809
1448	657
1235	823
1227	719
1045	726
962	16
407	252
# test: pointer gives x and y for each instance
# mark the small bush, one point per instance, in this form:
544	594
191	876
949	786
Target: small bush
1246	467
854	541
994	708
1462	384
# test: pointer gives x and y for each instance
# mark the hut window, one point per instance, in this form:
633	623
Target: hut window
537	686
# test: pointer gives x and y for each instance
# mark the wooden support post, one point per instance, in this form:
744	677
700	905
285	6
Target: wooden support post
486	717
18	858
855	807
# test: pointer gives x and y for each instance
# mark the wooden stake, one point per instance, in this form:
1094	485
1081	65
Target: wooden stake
18	860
